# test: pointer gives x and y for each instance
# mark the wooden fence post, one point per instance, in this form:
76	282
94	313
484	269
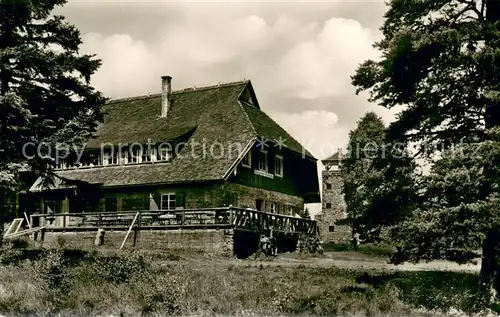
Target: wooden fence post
137	228
231	215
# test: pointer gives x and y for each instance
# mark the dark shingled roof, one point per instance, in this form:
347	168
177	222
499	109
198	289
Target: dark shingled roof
212	114
335	157
268	129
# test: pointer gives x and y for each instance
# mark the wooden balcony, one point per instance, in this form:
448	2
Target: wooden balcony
209	218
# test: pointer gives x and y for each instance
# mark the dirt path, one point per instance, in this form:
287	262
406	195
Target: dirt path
350	260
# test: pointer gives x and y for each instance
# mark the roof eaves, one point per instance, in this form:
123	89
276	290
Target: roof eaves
167	183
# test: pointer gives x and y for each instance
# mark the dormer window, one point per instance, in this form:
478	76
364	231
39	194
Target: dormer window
124	156
90	160
164	153
146	155
247	160
135	155
263	165
110	159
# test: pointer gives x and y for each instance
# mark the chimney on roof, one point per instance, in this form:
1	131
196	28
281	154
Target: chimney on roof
166	91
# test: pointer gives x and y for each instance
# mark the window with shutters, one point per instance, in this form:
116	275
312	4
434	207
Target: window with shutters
168	201
273	207
278	165
263	161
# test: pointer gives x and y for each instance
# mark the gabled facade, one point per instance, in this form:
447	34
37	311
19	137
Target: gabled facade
193	148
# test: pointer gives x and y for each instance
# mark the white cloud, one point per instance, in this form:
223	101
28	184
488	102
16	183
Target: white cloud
207	42
318	131
322	65
127	67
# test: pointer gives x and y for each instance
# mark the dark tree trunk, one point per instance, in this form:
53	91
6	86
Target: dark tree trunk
492	113
2	214
490	269
490	266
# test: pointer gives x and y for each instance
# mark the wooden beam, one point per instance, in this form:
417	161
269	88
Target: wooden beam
22	233
129	230
27	220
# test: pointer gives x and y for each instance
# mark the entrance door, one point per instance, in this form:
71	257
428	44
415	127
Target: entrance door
258	204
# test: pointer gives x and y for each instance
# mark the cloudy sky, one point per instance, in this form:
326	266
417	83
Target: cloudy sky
299	55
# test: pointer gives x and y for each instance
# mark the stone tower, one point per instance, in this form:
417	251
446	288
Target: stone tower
333	204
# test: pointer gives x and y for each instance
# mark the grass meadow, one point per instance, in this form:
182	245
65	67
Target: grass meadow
66	282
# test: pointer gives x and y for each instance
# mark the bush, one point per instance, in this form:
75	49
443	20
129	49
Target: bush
308	244
11	251
119	269
159	292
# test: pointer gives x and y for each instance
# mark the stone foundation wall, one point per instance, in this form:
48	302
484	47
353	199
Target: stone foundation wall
246	198
213	241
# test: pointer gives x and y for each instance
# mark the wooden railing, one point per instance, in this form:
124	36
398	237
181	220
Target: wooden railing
175	219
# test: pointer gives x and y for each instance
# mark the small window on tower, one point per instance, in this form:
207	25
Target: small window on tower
328	186
331	228
328	205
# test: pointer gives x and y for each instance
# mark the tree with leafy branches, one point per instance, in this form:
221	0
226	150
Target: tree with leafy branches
441	62
378	179
45	92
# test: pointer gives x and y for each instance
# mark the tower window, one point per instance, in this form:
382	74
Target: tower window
328	186
328	205
331	228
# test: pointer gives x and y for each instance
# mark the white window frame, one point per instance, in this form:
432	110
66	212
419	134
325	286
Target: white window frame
153	154
148	153
110	159
273	207
169	200
248	157
278	157
123	156
164	154
266	161
135	155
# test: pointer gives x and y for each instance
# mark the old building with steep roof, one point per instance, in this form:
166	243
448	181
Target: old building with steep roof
193	148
